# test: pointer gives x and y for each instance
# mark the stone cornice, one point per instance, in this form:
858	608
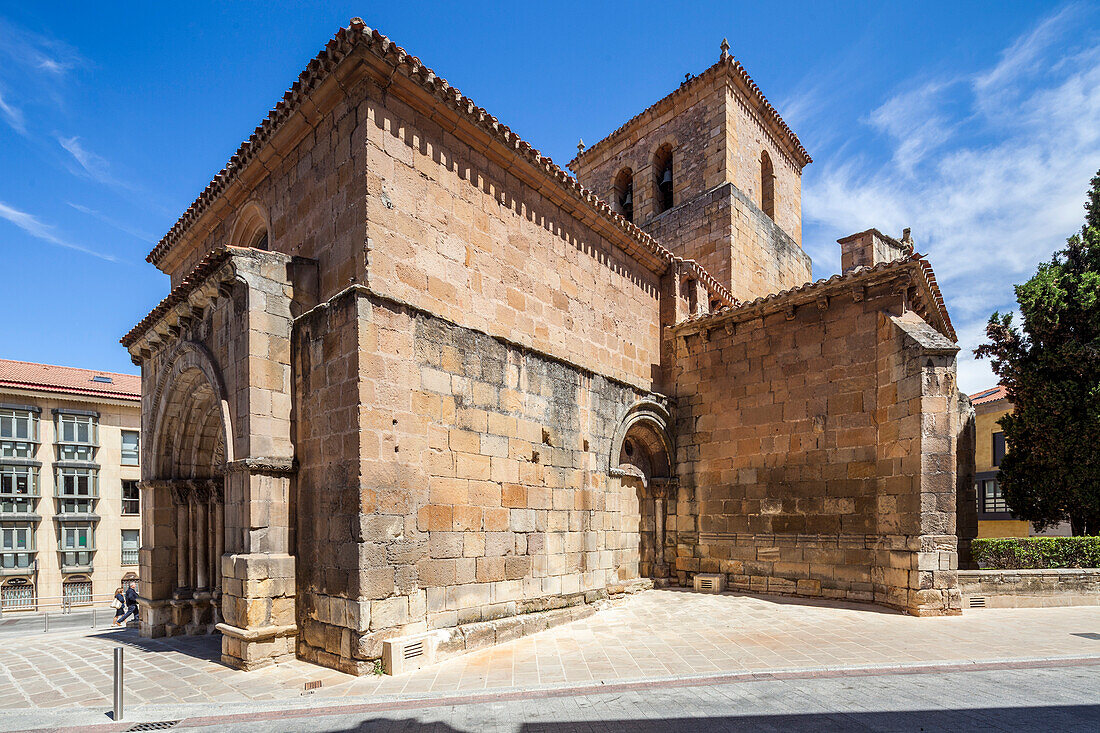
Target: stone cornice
907	271
266	465
209	281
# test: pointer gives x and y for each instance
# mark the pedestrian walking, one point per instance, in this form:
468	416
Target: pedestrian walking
130	602
119	604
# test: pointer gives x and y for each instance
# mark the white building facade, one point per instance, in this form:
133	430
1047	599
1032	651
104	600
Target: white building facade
70	513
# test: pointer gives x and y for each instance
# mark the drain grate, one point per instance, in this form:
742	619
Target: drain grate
1091	635
315	684
158	725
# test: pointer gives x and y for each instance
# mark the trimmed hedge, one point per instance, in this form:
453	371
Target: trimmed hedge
1036	553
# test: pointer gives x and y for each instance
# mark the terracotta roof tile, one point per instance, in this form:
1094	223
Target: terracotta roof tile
179	293
725	64
922	265
69	380
992	394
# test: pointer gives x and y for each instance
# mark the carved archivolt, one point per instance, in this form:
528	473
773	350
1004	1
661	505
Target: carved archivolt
192	426
642	445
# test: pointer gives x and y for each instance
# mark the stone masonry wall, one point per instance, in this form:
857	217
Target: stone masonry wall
716	138
779	440
313	195
482	490
735	241
697	156
451	230
748	137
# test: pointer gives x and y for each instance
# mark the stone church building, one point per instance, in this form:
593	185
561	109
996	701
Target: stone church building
416	389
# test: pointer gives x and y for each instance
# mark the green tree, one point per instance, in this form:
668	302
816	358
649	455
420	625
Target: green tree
1051	371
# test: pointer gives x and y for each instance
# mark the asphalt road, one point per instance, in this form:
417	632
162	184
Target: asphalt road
76	620
1064	698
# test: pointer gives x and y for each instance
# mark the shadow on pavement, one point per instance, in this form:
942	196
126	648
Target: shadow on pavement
208	647
1055	717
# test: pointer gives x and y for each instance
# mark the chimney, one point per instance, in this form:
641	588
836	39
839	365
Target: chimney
872	247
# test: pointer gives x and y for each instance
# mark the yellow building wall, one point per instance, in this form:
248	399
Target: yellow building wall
985	424
1003	528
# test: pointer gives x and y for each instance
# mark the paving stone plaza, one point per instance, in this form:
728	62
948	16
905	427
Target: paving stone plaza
662	640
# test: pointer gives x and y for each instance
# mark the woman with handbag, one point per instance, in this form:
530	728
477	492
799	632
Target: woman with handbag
119	604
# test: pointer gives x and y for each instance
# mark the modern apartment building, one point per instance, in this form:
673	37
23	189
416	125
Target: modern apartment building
70	514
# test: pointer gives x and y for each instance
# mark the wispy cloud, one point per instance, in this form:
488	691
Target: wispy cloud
45	232
115	223
12	115
990	170
92	164
33	73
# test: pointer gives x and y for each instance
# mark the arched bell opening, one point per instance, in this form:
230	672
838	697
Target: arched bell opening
189	455
642	460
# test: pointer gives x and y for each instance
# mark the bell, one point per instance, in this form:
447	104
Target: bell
666	178
628	198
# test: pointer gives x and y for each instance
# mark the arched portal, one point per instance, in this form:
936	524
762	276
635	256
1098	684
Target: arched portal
188	455
641	456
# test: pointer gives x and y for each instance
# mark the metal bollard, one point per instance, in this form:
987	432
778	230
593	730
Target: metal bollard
46	622
118	712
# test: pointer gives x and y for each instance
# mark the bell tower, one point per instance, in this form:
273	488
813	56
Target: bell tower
713	173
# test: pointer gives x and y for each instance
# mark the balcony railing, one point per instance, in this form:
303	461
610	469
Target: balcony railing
129	557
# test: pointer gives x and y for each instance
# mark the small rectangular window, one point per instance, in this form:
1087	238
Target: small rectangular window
131	542
998	448
129	448
993	498
131	498
17	449
76	537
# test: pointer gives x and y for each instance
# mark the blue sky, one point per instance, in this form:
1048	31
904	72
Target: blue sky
976	124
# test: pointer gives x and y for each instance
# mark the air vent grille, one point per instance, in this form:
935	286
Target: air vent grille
710	582
977	601
415	649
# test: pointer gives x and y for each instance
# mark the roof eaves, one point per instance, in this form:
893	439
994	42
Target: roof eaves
338	49
915	261
730	65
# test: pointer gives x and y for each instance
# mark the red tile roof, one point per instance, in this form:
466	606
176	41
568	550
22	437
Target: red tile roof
989	395
915	260
68	380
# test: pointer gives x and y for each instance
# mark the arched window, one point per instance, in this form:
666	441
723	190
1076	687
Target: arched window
624	193
250	229
767	185
662	166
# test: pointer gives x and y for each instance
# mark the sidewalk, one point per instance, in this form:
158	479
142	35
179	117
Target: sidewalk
655	635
